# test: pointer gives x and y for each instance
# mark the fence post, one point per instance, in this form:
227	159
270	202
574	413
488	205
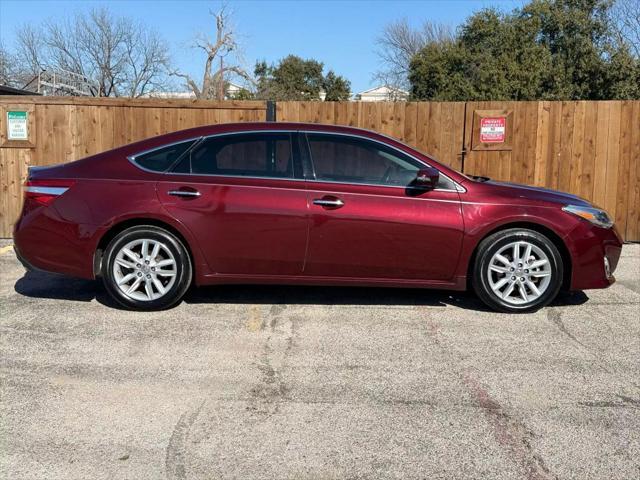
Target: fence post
271	111
463	152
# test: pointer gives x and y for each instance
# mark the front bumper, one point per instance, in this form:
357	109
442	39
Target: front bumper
589	246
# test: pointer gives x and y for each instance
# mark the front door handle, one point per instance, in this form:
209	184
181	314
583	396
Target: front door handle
329	202
184	193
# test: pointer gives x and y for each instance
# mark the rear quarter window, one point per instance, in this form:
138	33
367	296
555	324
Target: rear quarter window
161	159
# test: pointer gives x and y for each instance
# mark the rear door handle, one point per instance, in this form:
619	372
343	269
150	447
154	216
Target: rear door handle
328	202
184	193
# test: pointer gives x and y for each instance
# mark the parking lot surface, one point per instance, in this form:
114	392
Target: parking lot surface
316	383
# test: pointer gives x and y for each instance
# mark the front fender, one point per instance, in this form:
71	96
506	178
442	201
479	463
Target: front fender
482	219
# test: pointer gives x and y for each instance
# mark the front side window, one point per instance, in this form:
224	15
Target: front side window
251	154
160	159
355	160
339	158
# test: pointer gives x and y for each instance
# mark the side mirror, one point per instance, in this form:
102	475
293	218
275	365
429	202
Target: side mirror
427	178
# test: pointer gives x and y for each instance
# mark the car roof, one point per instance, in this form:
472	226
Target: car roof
222	128
253	126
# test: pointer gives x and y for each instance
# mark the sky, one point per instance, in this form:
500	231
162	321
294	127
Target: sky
341	34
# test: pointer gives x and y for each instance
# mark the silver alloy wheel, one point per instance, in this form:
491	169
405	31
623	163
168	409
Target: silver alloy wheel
145	269
519	273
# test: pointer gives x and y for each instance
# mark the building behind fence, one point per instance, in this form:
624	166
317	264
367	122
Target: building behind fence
591	149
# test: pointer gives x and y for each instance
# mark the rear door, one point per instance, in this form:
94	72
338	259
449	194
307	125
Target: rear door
366	220
243	198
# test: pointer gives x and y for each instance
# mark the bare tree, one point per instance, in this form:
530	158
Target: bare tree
119	56
399	42
222	62
8	65
147	61
626	21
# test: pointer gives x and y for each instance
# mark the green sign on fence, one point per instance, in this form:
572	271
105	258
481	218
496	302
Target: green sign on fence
17	125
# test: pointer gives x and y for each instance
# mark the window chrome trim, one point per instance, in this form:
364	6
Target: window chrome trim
459	188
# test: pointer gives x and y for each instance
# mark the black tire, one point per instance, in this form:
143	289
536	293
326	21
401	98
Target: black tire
183	268
491	245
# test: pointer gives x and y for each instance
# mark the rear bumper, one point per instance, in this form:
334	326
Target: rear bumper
589	246
44	241
25	263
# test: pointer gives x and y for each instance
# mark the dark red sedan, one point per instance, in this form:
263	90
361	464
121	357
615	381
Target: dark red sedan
291	203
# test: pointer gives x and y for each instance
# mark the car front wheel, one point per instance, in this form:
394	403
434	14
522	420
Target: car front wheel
146	268
517	270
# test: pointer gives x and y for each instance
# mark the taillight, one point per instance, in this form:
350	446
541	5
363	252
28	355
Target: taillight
44	192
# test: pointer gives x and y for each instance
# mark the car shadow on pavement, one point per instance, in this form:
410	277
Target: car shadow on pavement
36	284
323	295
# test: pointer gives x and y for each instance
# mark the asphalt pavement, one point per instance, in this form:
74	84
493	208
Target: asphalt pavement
316	383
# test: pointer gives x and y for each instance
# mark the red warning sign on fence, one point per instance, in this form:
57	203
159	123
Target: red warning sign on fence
492	129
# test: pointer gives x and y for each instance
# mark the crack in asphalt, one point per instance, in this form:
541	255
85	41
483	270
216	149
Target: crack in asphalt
624	402
555	316
265	397
175	459
510	432
268	393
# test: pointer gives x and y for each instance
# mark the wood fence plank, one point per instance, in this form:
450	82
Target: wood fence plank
633	193
434	132
577	148
566	145
613	159
585	176
518	154
542	144
346	113
409	124
600	160
528	176
451	139
633	218
624	165
555	145
8	209
422	126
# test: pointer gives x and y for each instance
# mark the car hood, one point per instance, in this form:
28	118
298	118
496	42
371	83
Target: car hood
515	190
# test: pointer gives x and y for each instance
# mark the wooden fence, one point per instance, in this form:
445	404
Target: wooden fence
68	128
591	149
588	148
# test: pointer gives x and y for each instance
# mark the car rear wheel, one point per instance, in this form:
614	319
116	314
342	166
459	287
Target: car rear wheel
517	270
146	268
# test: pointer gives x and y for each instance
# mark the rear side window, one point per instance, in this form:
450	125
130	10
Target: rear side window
252	154
161	159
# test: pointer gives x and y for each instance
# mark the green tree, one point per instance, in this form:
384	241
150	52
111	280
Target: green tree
294	78
549	49
336	88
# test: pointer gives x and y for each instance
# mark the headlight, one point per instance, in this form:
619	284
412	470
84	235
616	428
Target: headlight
594	215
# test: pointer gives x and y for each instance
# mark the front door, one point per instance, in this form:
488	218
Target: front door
240	196
367	223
